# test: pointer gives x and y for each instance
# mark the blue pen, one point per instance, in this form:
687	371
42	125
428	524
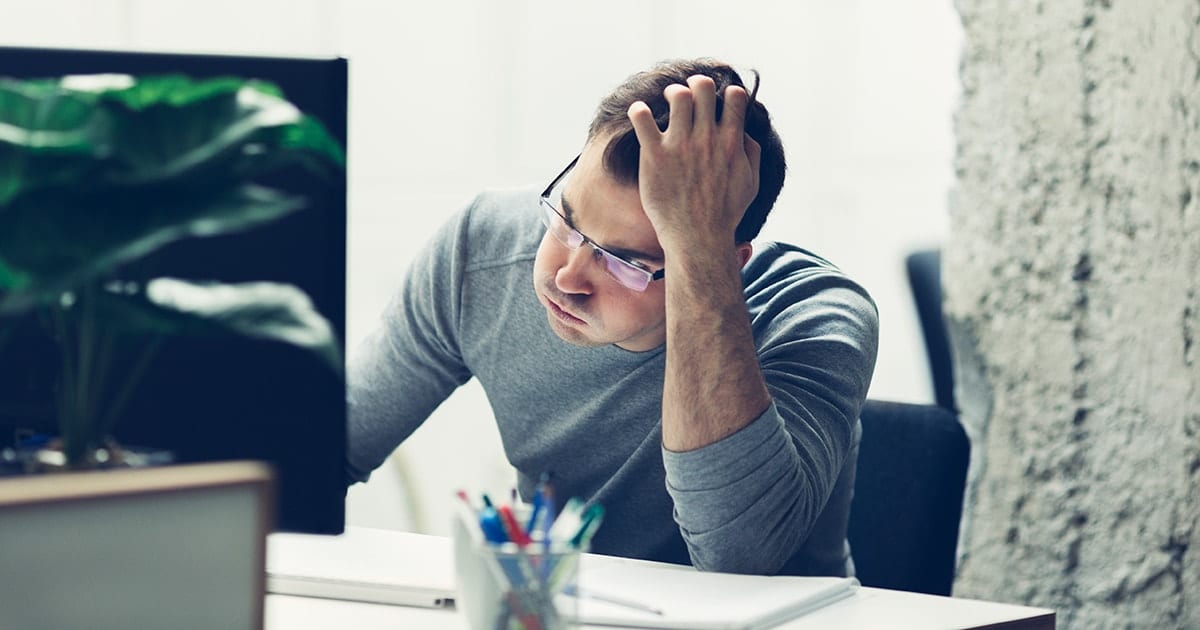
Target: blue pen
489	522
539	499
535	512
515	568
548	513
547	519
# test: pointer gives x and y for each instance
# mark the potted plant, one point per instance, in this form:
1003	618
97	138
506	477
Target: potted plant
99	171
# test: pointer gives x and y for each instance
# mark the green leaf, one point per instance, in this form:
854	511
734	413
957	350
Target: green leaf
42	105
48	136
171	89
225	134
67	239
151	130
262	310
310	137
11	279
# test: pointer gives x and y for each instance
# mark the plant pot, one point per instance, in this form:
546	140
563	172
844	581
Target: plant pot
49	457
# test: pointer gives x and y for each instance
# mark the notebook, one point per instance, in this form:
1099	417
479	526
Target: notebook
626	595
363	564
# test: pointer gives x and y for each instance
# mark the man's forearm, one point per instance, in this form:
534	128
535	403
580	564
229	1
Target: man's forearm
713	385
696	179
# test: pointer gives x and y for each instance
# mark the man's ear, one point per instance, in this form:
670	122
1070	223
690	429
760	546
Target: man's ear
744	251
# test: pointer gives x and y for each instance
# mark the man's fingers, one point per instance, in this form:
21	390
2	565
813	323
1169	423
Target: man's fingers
643	123
704	95
753	153
679	99
736	101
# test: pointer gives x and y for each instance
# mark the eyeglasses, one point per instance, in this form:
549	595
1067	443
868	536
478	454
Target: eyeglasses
631	274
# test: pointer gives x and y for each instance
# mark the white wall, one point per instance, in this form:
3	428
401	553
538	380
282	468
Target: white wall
449	97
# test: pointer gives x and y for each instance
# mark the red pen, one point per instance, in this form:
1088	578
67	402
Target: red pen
515	532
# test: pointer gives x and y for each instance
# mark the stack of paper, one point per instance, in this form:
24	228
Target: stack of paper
414	570
653	597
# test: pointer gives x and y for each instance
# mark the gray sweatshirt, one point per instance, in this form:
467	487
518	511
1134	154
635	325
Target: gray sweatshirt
772	497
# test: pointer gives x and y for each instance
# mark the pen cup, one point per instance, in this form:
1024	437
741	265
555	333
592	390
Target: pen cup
506	587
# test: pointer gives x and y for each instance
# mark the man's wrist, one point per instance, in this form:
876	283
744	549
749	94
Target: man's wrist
700	256
689	232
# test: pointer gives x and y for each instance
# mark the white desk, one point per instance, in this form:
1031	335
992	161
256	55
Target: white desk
868	608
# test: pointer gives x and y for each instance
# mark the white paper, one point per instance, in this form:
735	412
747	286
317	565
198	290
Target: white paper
702	600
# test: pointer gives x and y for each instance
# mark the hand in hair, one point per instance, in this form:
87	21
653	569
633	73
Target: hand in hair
697	177
696	180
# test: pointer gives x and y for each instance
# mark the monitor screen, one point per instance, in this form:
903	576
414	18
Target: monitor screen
204	398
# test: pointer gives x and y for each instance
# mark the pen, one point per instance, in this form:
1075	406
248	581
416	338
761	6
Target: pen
546	517
541	495
462	495
567	521
582	593
514	530
536	512
588	526
489	522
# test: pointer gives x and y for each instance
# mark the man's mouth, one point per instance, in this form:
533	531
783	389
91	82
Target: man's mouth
563	314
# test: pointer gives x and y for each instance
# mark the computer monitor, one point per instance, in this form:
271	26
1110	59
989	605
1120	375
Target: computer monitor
208	399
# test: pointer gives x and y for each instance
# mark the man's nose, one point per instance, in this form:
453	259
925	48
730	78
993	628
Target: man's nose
575	275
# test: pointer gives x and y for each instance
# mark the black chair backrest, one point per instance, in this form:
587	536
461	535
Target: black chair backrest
908	497
925	278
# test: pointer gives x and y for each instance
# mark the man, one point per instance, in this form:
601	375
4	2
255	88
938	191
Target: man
706	395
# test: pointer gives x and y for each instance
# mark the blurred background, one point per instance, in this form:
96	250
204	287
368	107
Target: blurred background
448	98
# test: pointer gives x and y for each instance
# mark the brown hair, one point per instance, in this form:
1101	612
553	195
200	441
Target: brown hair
621	154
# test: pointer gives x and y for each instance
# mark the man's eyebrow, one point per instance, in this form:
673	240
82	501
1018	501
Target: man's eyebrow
624	252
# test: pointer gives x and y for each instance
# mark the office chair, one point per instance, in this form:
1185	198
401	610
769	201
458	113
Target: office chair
925	279
908	497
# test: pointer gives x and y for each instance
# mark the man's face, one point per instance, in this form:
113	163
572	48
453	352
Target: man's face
584	304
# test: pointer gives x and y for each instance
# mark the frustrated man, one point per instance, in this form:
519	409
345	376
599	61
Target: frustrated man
636	345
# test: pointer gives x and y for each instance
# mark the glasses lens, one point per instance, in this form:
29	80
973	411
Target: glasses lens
555	194
558	227
629	275
625	273
550	218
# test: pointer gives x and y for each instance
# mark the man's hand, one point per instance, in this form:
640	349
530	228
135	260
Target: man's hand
697	178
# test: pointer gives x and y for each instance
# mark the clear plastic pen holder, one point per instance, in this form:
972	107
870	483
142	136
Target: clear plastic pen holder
504	587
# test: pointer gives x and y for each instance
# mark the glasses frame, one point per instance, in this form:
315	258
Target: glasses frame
651	276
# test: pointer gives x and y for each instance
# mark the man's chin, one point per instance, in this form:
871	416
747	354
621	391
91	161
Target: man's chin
572	335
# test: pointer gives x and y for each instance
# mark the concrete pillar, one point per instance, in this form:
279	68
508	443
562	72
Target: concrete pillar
1073	302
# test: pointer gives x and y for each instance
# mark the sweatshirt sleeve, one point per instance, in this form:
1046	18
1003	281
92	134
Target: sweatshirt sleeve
748	502
411	362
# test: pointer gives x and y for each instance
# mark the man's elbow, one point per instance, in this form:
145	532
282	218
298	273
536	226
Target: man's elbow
750	555
756	563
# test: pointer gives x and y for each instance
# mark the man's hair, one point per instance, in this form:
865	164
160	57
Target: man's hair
621	154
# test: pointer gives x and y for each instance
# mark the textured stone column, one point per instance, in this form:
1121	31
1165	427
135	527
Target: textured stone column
1073	301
